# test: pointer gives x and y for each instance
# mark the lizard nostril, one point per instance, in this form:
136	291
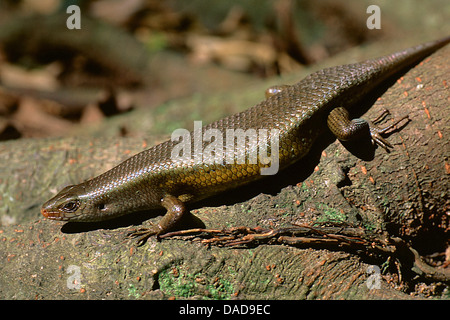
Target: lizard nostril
44	212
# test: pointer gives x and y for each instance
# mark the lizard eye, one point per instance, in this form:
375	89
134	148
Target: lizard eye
71	206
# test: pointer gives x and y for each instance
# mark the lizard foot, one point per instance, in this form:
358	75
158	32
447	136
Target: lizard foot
377	132
142	234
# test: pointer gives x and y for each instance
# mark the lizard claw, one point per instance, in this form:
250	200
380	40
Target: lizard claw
376	133
379	140
142	235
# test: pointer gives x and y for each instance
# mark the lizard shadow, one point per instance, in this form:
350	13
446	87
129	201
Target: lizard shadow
292	175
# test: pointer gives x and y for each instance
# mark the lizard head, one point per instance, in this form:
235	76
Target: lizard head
72	204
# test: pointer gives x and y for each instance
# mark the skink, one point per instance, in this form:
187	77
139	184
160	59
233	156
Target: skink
286	124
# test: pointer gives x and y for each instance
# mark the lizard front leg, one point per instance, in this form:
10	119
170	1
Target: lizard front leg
175	210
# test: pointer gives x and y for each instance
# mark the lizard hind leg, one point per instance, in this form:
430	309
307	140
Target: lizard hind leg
345	129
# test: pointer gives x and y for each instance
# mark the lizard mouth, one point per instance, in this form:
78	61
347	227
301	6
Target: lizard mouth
52	215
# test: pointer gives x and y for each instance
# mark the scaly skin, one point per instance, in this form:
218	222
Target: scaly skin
154	178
